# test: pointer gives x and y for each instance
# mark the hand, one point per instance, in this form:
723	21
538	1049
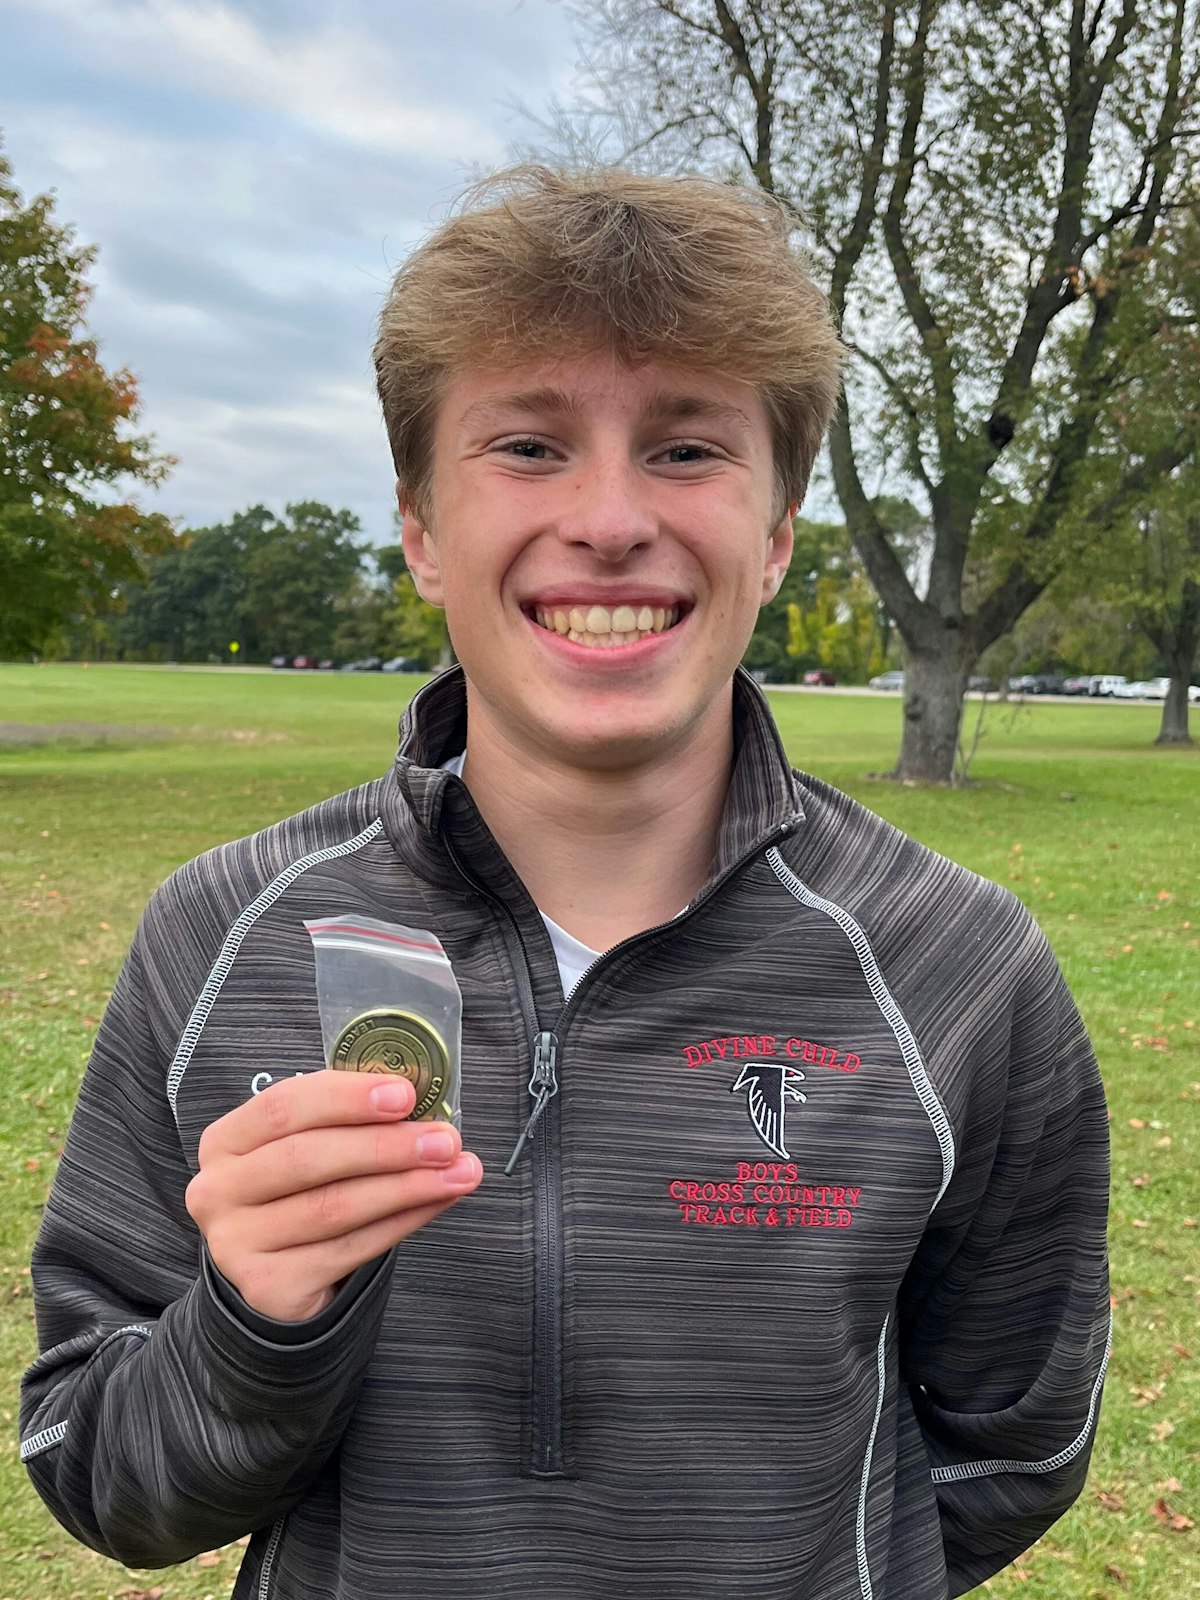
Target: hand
314	1177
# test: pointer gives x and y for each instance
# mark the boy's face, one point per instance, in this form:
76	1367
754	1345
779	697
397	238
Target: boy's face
602	538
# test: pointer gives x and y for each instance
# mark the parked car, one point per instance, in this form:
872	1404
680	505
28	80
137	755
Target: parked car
887	680
1036	683
980	683
280	662
819	676
1144	689
1077	685
327	665
1194	694
403	664
1105	683
305	663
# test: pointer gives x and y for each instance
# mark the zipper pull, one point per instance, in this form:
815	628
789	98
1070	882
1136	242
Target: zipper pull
543	1086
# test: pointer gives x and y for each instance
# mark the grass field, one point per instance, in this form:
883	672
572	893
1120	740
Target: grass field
1074	809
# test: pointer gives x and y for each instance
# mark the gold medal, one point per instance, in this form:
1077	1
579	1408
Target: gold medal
401	1045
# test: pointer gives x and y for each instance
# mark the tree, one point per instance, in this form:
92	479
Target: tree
827	576
275	584
985	183
67	443
1149	564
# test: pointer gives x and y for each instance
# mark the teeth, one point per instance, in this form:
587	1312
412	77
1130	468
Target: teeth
603	627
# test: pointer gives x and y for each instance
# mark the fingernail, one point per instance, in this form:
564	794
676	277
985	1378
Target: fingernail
438	1146
392	1097
463	1171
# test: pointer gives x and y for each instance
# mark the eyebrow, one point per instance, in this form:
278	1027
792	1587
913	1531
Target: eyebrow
665	406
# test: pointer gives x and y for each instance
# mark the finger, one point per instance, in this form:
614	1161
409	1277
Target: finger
282	1284
310	1100
321	1156
345	1207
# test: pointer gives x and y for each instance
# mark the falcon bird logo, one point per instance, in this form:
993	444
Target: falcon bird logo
768	1087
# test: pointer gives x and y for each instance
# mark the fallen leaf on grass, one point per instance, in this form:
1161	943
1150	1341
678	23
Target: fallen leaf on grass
1182	1352
1116	1574
1162	1430
1137	1122
1147	1394
1175	1520
1164	1143
1110	1502
1141	1181
1170	1486
1164	894
210	1558
1139	1222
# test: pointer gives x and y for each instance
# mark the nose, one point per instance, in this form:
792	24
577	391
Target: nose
608	509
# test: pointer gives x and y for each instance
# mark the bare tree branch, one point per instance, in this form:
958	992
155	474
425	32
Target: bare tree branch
932	335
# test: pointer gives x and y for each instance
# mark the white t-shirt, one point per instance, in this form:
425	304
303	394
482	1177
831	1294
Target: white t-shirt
573	957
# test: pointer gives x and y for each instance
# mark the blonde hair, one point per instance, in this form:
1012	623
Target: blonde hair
535	262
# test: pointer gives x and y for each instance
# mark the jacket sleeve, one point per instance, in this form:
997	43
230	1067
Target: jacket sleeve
163	1416
1005	1320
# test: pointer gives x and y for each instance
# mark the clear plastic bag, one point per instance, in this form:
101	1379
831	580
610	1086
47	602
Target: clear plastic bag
390	1004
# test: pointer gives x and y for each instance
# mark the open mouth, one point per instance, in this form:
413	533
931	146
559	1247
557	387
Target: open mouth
606	627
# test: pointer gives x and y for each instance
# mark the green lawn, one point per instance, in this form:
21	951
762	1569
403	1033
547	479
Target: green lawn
1074	809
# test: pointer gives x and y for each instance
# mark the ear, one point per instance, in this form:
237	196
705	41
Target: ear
420	551
780	544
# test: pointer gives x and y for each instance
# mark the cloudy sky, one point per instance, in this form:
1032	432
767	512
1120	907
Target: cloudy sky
253	172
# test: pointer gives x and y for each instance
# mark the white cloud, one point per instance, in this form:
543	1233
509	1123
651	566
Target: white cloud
252	176
333	79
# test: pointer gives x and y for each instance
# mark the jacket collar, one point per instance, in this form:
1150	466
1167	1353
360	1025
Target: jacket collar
425	809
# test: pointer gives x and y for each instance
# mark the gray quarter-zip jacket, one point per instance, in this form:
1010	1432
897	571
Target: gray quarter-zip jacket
798	1291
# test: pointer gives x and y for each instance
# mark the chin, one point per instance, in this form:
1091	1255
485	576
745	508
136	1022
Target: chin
619	743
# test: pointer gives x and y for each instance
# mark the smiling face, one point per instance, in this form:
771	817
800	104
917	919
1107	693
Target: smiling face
601	538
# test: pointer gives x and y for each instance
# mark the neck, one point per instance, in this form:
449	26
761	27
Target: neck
605	853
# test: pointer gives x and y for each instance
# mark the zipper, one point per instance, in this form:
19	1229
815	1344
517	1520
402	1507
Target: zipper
543	1086
549	1265
539	1136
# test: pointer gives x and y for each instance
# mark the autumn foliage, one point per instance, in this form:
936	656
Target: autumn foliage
68	441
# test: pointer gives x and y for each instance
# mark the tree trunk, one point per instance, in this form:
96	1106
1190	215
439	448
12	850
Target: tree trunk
1174	729
934	681
1178	637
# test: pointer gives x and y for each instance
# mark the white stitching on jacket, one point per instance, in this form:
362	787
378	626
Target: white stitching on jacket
925	1091
264	1576
860	1529
46	1438
983	1469
233	943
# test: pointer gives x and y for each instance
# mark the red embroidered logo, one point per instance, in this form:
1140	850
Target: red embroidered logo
765	1194
739	1046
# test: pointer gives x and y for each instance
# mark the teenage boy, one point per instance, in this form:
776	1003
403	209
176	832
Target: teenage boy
796	1290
